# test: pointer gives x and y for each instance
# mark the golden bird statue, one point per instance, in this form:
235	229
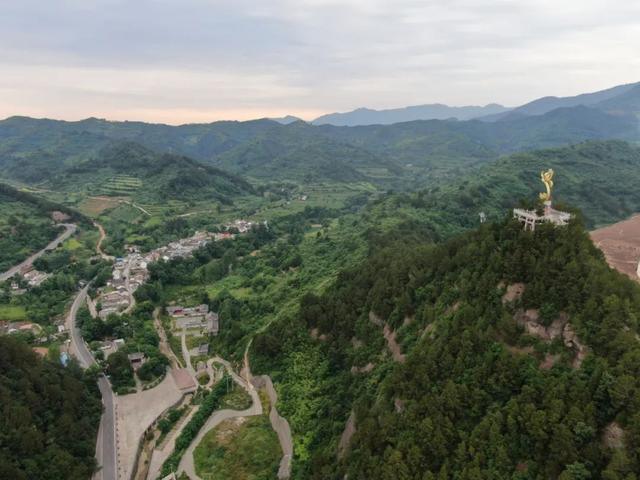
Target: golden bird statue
547	179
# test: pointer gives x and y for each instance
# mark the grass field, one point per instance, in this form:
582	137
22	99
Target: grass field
94	206
239	449
232	283
237	399
12	313
72	244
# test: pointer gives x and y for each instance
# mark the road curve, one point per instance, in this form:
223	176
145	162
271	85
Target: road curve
70	228
106	453
186	463
103	235
279	424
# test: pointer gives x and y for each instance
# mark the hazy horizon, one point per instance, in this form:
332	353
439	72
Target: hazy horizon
201	61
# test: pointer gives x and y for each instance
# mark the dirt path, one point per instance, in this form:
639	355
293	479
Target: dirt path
185	353
103	235
164	346
136	206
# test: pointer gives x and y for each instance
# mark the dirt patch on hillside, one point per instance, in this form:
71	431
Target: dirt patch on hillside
559	328
375	319
513	293
549	361
529	319
620	244
613	435
392	343
366	369
345	438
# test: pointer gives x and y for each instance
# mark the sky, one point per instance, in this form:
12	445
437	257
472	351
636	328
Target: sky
185	61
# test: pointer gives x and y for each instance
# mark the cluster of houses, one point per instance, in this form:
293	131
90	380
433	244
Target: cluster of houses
131	271
242	226
16	327
30	276
195	318
180	248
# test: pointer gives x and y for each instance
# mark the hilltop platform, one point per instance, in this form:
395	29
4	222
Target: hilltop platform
530	218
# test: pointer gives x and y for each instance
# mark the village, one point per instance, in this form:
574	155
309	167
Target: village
130	272
195	323
117	297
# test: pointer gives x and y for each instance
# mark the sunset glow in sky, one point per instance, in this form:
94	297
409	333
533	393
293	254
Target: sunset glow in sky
186	61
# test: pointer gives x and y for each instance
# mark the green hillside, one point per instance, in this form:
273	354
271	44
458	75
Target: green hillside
475	397
129	169
298	153
26	225
398	155
43	406
599	178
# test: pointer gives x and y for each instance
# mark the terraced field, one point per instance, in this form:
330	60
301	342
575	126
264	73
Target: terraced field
121	185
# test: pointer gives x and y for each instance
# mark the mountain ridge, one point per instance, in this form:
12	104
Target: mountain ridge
433	111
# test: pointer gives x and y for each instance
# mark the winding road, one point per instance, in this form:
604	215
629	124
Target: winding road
103	235
106	453
70	229
186	463
279	424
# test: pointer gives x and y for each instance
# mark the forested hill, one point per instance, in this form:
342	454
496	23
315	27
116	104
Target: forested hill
128	168
31	149
514	356
49	417
598	178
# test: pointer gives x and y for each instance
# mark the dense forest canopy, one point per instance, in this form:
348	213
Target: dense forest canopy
49	419
477	397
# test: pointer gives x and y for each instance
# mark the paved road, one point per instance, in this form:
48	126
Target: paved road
279	424
186	463
106	443
70	228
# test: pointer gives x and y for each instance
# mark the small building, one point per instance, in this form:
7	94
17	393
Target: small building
174	310
136	359
203	349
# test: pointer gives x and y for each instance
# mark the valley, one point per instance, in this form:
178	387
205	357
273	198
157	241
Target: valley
259	300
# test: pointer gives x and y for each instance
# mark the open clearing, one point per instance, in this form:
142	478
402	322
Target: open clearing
620	244
12	313
239	448
94	206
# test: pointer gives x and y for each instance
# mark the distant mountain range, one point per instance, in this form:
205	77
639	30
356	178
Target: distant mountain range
436	111
619	99
623	99
399	155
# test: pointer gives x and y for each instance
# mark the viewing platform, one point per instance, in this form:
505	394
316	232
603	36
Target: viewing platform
530	217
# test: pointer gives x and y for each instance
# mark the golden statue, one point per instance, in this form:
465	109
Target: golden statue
547	179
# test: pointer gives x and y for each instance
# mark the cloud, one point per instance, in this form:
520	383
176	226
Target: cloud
200	60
